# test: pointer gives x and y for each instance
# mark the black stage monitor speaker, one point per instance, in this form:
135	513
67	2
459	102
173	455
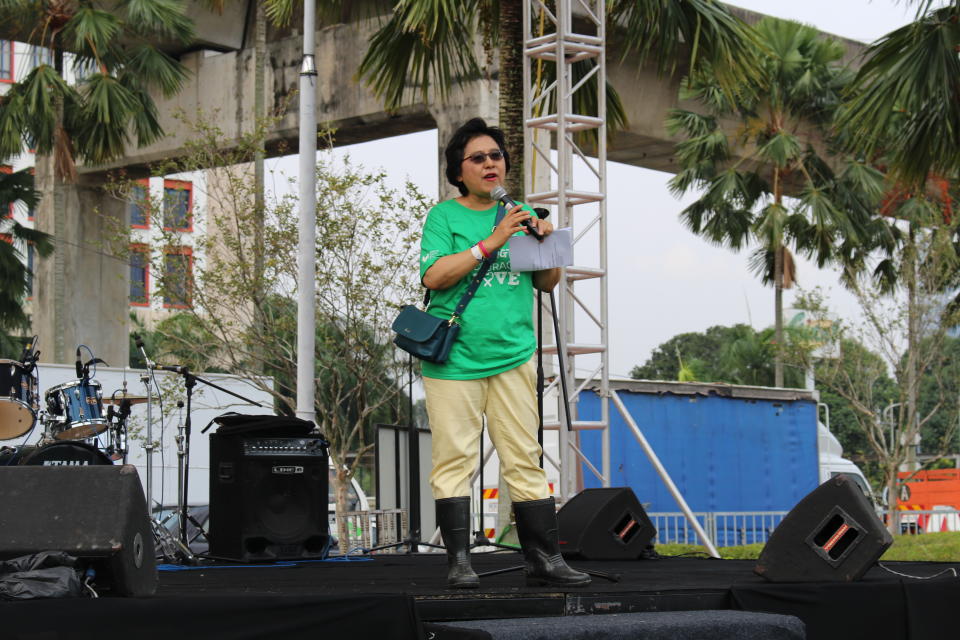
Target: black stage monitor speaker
604	524
95	513
832	535
268	497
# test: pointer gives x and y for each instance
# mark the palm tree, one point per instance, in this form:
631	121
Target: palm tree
746	178
117	58
16	188
911	78
430	46
117	51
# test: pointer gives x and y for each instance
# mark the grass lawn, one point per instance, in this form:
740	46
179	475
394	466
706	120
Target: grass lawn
927	547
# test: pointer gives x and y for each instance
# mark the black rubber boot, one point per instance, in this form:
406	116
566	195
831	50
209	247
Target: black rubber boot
537	531
453	518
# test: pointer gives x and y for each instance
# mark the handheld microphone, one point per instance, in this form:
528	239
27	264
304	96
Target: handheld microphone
499	193
79	364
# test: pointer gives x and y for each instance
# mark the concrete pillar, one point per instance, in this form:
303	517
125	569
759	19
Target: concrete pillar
81	293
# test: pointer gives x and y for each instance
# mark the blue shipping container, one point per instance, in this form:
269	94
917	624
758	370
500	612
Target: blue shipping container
726	448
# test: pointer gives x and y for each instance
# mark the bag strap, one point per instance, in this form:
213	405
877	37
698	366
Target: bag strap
475	283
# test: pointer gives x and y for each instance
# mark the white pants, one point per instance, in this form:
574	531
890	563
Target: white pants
456	409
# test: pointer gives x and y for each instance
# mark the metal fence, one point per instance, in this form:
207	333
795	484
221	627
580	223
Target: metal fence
912	521
725	528
366	529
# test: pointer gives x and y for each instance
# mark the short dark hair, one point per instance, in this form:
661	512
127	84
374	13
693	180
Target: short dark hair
458	142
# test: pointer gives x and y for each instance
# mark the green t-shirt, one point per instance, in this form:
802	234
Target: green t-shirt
496	331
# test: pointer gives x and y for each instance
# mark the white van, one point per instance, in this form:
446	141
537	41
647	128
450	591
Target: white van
832	463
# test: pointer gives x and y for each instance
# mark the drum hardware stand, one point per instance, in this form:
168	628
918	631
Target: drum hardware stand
117	419
182	545
169	547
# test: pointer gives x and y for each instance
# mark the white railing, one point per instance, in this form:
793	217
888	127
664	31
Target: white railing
735	528
927	521
723	528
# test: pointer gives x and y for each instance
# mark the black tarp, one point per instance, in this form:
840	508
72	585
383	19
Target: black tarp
46	574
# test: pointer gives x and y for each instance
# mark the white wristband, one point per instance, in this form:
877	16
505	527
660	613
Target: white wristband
476	253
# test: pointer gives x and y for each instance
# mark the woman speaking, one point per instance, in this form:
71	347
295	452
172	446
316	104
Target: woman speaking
490	371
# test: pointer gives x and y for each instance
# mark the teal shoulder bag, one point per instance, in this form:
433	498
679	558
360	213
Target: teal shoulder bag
428	337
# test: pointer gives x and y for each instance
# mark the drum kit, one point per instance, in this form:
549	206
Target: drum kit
76	429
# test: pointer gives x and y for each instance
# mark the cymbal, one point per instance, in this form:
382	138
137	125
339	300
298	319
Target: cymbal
131	399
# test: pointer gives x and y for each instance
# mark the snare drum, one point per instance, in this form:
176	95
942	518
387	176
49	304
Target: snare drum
76	410
60	454
18	400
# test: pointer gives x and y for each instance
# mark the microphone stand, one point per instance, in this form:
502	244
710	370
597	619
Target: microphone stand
190	380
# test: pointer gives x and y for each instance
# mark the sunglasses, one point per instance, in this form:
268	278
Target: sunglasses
479	157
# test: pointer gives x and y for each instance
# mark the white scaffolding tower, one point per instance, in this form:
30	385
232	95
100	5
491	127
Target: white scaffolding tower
553	117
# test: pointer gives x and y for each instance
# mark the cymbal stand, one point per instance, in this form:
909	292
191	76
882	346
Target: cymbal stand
148	380
183	453
172	549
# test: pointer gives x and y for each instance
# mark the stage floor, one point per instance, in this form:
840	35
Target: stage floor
389	595
881	605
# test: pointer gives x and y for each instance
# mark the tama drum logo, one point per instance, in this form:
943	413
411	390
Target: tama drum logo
66	463
287	470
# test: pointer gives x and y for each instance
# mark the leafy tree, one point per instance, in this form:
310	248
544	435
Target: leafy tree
116	51
745	179
431	46
877	378
700	351
940	382
749	359
734	355
903	104
177	339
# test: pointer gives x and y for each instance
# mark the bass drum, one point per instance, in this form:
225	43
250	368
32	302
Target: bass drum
62	454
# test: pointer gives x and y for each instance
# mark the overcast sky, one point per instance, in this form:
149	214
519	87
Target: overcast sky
663	280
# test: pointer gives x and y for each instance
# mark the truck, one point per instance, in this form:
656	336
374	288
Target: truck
929	500
741	456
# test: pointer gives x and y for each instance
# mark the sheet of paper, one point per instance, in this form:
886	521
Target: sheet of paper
556	250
